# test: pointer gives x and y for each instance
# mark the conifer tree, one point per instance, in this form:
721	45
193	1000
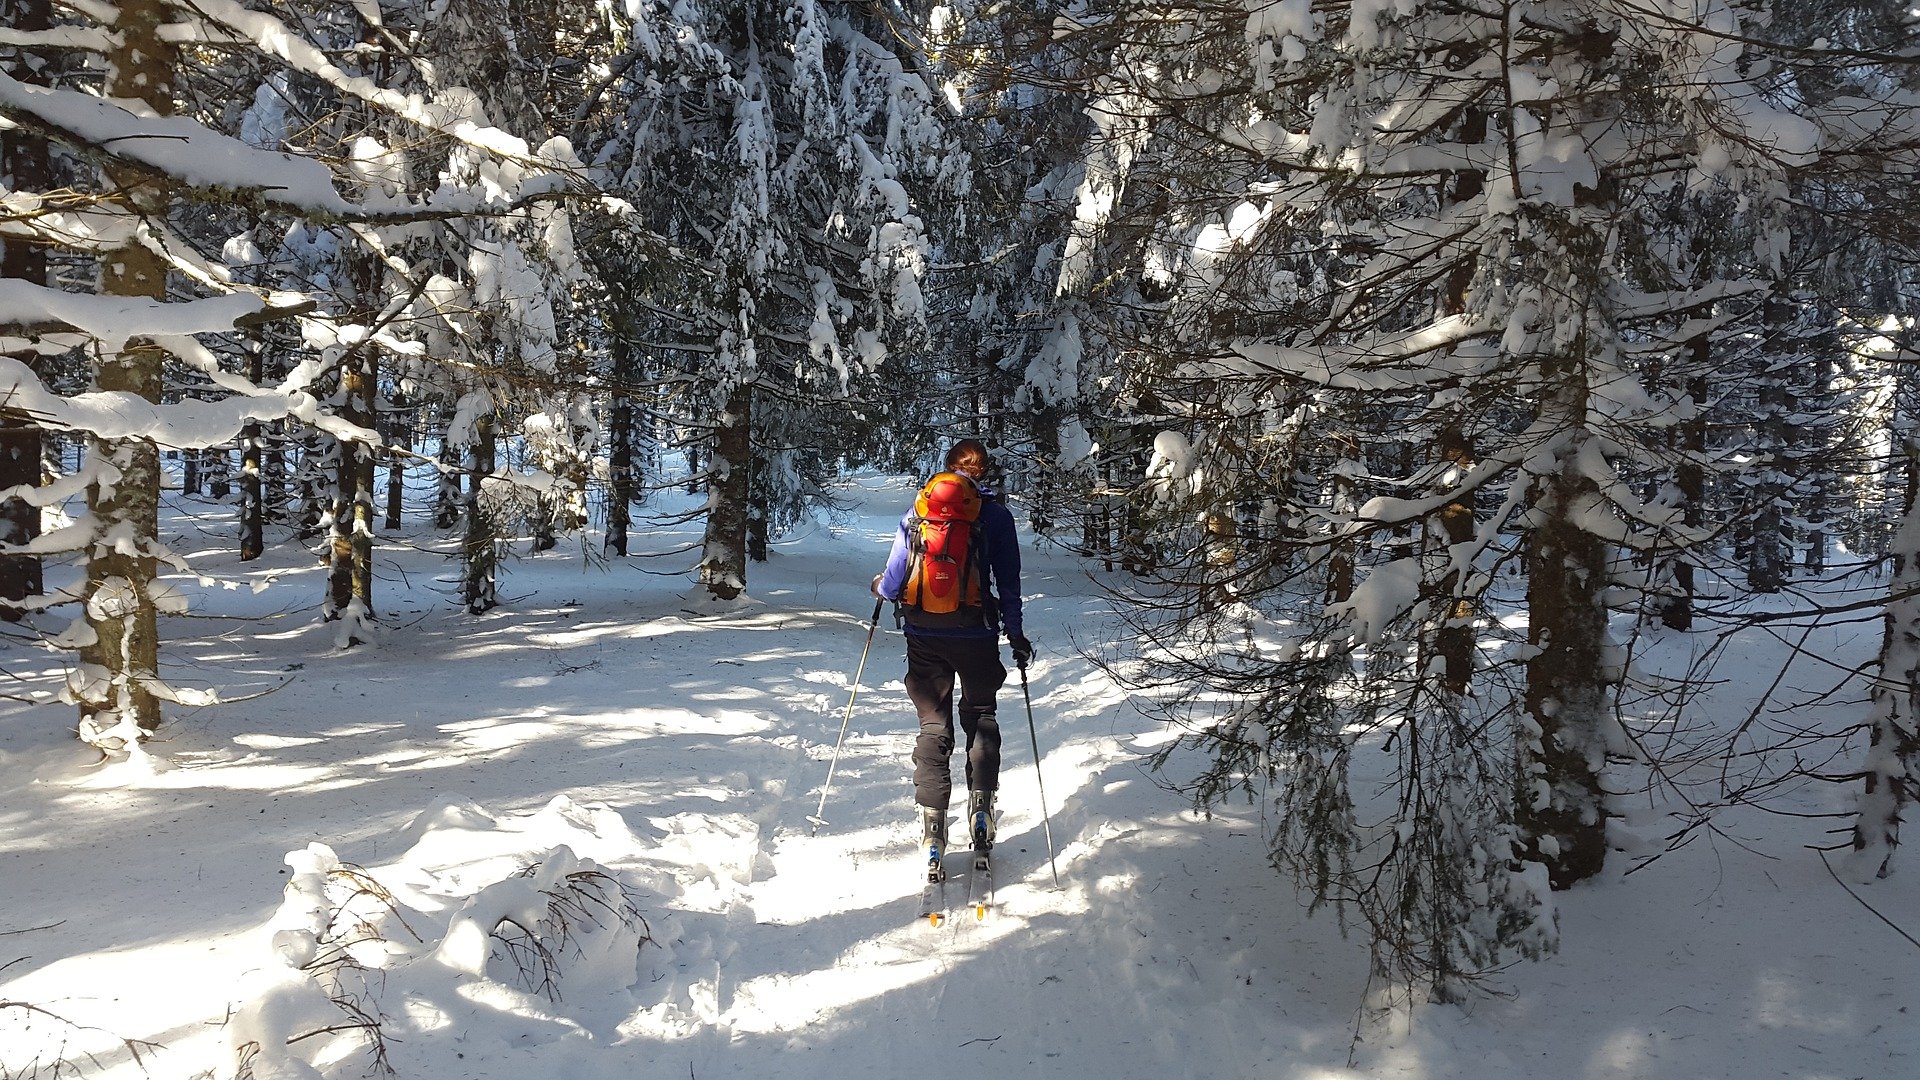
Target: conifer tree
1432	241
155	163
778	151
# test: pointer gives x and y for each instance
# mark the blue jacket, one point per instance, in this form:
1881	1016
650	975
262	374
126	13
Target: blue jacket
1000	555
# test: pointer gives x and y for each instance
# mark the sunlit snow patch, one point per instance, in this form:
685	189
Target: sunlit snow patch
491	936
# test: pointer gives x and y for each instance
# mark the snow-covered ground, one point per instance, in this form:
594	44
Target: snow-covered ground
682	748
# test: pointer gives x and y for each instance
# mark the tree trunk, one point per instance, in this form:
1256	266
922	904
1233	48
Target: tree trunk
1561	808
350	551
276	472
1342	500
621	434
1691	479
759	507
1453	641
1816	505
1892	770
119	664
399	436
723	564
480	588
447	500
313	485
545	510
253	445
219	467
1769	553
21	576
27	162
1045	481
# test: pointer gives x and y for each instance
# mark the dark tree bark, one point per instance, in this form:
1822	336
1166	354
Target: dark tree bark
1891	777
1046	478
113	685
1691	479
448	500
480	587
350	551
1560	807
1457	520
723	563
253	443
759	508
1454	639
219	469
621	436
313	487
1769	551
400	439
26	163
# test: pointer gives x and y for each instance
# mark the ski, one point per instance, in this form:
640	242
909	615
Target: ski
980	877
933	894
980	885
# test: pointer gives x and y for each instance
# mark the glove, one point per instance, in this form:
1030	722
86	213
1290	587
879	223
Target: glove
875	587
1022	649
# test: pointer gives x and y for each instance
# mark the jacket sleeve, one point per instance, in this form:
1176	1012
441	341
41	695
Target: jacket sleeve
894	577
1003	550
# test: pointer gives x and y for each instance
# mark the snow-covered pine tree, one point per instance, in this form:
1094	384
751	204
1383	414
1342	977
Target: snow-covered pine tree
777	149
1420	226
154	162
460	306
1011	89
529	65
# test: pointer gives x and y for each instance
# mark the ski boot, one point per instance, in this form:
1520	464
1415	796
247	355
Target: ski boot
980	819
933	839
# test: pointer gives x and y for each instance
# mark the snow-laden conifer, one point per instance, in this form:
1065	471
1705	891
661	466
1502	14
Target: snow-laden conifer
327	190
1411	276
773	154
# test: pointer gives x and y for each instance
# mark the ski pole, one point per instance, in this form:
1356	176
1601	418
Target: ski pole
1032	732
872	625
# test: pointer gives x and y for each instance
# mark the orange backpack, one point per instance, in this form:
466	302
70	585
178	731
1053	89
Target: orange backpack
941	577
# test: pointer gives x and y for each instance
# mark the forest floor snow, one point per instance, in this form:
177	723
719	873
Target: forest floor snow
603	718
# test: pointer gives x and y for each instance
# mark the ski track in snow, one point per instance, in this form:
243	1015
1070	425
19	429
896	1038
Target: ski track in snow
139	903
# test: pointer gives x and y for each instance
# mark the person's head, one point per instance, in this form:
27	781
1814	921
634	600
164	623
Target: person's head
969	456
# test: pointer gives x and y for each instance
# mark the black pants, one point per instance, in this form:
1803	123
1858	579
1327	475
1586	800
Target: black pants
932	665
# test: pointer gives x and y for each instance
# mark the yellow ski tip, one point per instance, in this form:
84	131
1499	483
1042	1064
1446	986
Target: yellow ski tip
933	918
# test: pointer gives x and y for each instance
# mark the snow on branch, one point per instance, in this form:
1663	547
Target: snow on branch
219	22
187	151
29	308
1429	355
1632	305
74	222
95	39
190	424
177	146
1386	511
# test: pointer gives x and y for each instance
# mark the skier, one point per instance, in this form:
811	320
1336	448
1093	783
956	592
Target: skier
959	643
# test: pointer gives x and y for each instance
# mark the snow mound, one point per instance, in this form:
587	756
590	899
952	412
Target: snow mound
470	948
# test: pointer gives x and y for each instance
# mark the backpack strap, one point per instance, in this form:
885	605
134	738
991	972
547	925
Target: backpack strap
977	554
